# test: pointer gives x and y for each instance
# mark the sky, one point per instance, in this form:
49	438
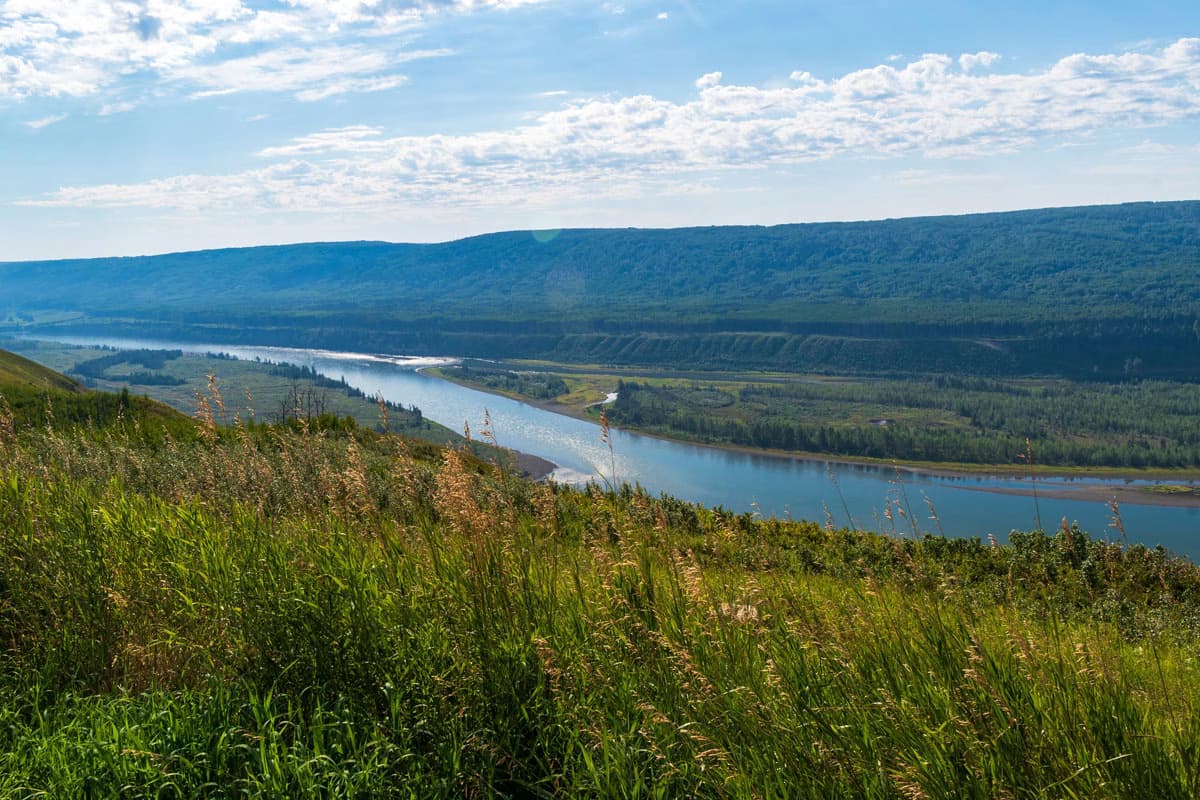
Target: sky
145	126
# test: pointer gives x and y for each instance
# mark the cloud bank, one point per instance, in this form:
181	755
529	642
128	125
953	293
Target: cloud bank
935	106
104	48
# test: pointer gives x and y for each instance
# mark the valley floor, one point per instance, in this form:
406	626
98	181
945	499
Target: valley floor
582	392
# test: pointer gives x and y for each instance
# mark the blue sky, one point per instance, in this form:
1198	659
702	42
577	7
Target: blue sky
141	126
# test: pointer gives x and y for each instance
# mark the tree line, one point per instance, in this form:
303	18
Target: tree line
969	420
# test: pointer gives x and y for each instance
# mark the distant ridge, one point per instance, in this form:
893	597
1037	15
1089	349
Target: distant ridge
385	243
1092	273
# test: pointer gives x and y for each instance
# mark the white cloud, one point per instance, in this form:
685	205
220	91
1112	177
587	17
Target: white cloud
931	107
970	61
351	138
1149	150
77	48
391	13
352	85
86	48
663	15
38	124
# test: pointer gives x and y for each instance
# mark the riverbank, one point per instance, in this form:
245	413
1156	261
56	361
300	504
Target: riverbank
535	468
1136	495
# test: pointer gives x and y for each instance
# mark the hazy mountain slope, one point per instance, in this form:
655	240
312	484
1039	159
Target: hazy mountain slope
1124	260
1105	291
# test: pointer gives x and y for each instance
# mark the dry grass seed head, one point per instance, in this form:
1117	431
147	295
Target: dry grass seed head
355	493
691	577
214	390
383	413
403	473
545	506
456	497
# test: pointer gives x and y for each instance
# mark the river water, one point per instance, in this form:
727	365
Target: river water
862	496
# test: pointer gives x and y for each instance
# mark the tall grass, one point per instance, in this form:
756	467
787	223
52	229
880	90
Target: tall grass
284	612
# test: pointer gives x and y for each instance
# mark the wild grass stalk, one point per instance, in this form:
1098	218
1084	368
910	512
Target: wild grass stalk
1037	509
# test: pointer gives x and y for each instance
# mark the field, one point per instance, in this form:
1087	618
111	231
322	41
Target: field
289	610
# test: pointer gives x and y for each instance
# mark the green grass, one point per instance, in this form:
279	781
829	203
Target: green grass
15	370
291	611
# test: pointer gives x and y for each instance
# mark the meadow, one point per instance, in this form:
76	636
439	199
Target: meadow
314	609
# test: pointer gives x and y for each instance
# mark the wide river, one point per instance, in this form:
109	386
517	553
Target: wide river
803	489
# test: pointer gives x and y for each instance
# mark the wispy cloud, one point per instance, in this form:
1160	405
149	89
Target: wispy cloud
38	124
935	107
929	177
310	73
108	109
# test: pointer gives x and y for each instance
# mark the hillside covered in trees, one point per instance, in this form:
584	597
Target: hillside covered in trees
1104	290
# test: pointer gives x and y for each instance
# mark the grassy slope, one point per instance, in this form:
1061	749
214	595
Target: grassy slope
279	614
35	396
16	370
249	389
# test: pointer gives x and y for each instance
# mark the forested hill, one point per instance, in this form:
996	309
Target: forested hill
1126	271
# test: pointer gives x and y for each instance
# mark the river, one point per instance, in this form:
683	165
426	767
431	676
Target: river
848	494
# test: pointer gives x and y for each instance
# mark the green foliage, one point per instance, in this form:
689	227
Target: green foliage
948	419
33	396
527	383
149	359
312	610
244	390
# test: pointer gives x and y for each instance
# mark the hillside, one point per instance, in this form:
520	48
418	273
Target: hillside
32	396
288	612
1105	287
16	371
